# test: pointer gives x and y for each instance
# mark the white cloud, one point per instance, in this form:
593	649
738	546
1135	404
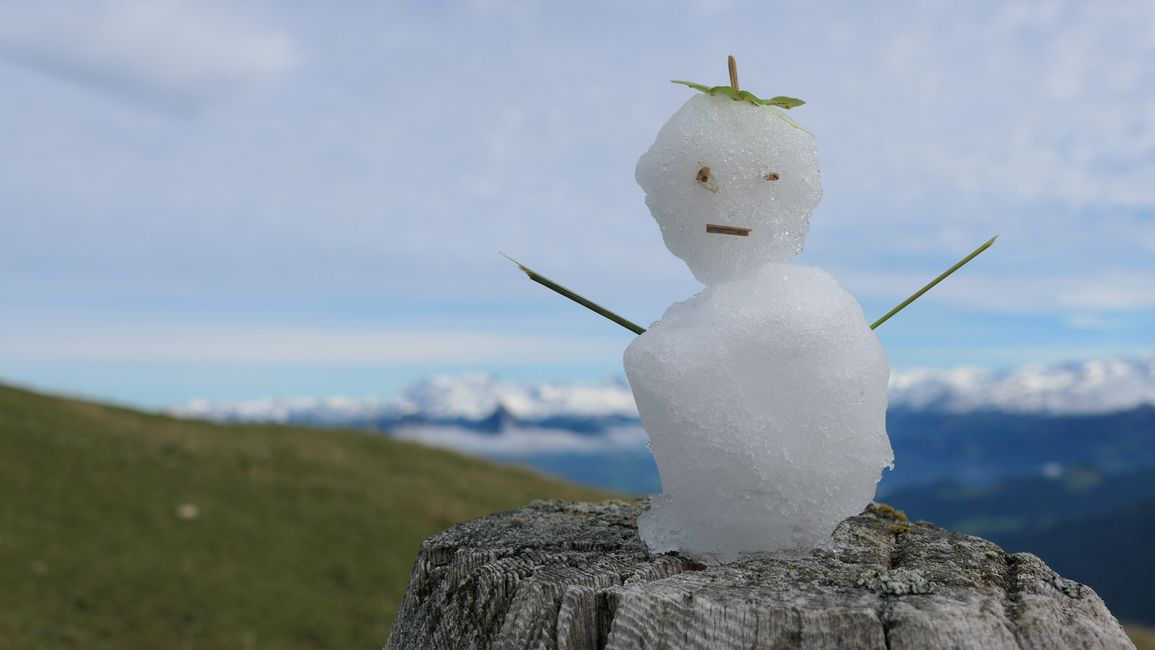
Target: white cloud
177	53
1043	106
1093	322
1111	291
1009	291
519	441
133	341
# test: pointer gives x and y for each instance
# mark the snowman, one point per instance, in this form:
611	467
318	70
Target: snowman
764	395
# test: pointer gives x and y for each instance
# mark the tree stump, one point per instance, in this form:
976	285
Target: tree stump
575	575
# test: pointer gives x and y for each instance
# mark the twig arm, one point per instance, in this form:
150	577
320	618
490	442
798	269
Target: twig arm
638	329
584	302
975	253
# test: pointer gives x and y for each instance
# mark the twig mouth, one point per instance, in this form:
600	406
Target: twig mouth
727	230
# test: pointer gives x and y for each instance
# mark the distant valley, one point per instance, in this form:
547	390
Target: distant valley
1056	459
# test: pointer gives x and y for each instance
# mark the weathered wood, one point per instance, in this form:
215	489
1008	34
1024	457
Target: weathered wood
576	576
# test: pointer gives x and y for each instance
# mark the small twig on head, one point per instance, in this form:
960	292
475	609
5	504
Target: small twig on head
733	65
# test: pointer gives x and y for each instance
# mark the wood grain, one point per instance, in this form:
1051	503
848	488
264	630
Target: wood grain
576	576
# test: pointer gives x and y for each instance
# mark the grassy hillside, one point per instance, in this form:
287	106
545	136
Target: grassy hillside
120	529
1144	637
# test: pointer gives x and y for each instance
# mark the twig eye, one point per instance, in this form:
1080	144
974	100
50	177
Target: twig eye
705	178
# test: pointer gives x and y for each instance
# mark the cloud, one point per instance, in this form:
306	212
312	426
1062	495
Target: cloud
137	341
1083	294
175	54
522	441
1111	291
1093	322
1027	103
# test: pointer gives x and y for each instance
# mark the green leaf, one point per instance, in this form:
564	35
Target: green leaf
750	97
743	95
783	102
725	91
698	87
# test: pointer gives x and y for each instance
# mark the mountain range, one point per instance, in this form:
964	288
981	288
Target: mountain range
965	425
484	401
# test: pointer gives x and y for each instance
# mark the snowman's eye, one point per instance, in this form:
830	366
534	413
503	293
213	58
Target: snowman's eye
772	176
705	178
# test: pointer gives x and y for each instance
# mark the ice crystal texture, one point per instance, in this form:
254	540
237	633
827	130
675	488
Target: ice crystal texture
764	396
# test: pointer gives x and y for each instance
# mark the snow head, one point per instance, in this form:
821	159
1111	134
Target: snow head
736	165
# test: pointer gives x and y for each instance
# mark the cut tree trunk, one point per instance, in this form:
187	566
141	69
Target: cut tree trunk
575	575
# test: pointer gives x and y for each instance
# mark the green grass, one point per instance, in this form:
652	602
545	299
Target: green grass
303	538
1143	637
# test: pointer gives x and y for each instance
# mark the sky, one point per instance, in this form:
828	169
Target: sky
229	200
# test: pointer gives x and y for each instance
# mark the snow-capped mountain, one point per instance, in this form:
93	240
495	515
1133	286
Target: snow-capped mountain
477	396
470	398
586	433
1097	386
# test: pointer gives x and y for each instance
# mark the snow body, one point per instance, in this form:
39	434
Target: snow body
764	396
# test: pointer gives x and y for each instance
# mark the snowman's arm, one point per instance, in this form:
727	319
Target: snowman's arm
638	329
584	302
930	285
